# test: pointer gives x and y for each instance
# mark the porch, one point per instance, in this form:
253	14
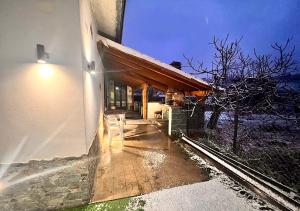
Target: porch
149	161
136	82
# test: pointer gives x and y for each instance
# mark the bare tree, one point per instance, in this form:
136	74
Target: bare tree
245	85
223	64
272	73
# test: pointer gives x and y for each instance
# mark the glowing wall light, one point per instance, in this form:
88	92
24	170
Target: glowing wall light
42	56
45	71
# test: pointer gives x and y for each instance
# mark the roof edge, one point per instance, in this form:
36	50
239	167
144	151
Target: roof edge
109	43
119	30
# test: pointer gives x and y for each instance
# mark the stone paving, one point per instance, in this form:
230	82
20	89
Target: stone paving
149	161
45	185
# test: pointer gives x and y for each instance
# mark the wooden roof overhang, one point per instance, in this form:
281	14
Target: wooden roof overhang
133	68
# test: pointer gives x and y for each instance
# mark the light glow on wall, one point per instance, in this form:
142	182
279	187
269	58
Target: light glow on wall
45	71
2	185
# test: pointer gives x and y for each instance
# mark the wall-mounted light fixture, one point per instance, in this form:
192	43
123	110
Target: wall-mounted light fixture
92	67
42	56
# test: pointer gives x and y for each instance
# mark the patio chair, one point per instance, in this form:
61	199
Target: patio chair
158	114
115	125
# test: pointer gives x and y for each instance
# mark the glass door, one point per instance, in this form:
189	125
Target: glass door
120	96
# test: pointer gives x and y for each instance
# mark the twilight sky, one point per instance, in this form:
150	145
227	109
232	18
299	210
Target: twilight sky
167	29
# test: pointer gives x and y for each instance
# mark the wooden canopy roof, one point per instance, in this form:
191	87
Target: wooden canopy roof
133	68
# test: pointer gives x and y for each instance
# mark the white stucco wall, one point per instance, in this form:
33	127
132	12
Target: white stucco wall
93	82
42	116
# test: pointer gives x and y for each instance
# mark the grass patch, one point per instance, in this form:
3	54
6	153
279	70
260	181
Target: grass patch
114	205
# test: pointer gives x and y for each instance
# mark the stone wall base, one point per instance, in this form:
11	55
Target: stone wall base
49	185
93	157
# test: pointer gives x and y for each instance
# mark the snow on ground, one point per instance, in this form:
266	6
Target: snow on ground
223	117
240	191
251	119
210	195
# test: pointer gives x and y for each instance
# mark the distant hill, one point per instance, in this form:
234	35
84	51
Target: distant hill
293	80
291	77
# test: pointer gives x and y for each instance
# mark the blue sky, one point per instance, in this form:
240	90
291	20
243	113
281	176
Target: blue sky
167	29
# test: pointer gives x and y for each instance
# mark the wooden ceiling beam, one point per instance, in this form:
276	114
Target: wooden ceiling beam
150	82
126	79
122	71
195	85
130	62
147	73
135	74
129	80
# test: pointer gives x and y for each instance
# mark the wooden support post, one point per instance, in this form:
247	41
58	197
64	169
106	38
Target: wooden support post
132	107
145	100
